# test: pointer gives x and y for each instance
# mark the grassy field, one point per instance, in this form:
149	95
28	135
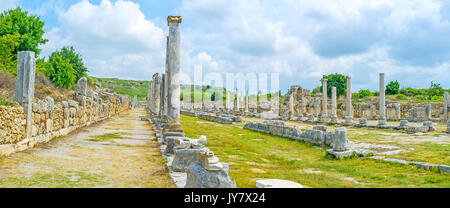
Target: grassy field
252	156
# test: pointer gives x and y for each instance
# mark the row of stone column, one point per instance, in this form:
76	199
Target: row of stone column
348	112
164	90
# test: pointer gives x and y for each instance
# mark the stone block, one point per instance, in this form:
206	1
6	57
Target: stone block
199	177
184	157
340	139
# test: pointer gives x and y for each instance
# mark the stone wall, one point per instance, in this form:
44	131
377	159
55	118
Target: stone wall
51	119
317	135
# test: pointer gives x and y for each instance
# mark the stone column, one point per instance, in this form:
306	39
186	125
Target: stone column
446	103
166	80
382	102
291	106
348	105
156	92
324	98
228	105
246	102
236	102
24	93
162	98
174	69
333	105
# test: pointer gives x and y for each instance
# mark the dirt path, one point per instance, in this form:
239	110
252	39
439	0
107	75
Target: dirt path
118	152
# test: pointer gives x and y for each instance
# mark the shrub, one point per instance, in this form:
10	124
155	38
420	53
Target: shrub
392	88
401	97
420	97
363	93
60	71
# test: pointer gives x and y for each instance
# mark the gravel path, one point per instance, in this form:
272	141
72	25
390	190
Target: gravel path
118	152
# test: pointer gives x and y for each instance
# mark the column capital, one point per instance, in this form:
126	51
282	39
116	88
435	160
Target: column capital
173	19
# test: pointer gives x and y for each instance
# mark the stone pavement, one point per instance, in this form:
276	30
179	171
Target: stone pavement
118	152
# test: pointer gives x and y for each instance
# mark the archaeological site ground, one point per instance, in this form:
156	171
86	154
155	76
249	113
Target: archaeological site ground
67	120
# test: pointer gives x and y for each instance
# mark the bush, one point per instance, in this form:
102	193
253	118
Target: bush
420	97
60	71
392	88
363	93
401	97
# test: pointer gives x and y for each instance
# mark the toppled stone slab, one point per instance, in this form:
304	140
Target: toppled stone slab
426	166
276	183
199	177
274	122
184	157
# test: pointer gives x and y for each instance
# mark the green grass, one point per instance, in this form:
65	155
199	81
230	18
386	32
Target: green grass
105	137
69	179
254	156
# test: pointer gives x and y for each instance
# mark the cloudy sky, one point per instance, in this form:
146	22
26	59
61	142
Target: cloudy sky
409	40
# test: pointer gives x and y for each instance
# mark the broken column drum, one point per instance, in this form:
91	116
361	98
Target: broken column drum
24	93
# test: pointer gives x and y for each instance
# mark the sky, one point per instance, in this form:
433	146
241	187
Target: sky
408	40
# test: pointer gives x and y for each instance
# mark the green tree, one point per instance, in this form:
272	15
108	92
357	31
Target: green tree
69	53
29	29
335	80
392	88
8	43
60	71
435	90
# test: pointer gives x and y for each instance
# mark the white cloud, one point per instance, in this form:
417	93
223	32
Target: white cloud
8	4
115	39
305	39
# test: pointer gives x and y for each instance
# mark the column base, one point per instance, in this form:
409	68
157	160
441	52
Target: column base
348	121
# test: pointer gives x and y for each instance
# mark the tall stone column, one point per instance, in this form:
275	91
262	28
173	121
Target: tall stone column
246	102
162	98
324	98
382	102
236	101
333	105
24	93
446	103
174	70
348	105
166	80
228	105
156	92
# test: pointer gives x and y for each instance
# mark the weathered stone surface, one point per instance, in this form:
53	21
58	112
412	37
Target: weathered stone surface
444	168
199	177
426	166
24	93
403	123
276	183
81	87
448	126
340	139
363	121
184	157
320	128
